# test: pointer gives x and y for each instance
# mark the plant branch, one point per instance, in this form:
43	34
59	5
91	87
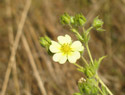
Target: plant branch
78	65
15	46
97	77
90	56
85	60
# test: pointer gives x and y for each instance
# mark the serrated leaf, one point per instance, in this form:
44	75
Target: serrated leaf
100	59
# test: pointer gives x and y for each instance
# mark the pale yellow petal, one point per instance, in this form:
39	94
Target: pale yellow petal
77	46
64	39
54	47
63	59
56	57
61	39
59	57
73	57
68	39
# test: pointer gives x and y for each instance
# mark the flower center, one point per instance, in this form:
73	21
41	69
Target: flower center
65	48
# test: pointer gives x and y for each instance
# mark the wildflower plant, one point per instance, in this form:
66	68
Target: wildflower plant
65	49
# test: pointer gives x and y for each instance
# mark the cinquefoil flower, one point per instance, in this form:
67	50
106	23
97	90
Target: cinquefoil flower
65	50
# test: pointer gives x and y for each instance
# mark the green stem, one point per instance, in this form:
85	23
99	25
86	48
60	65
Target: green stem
104	85
78	65
87	47
85	60
70	26
77	34
88	30
100	90
83	29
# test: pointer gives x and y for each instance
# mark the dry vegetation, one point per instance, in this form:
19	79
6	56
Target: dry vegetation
26	68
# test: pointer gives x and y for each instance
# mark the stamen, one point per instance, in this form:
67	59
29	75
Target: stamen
66	48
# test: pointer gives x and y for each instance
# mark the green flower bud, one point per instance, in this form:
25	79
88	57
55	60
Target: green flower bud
45	41
79	20
65	19
48	39
97	23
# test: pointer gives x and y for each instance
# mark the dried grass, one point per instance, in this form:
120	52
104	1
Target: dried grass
34	73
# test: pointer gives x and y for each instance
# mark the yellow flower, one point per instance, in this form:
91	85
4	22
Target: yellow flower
66	50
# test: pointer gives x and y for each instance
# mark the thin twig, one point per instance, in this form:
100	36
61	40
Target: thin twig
26	69
11	39
15	46
32	62
15	77
38	47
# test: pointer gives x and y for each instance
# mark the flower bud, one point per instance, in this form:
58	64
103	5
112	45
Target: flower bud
97	23
48	39
79	20
65	19
45	41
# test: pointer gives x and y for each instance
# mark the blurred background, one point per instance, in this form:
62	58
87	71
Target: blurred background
23	22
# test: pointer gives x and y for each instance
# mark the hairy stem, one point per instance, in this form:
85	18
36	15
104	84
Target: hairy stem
97	77
85	61
90	56
100	90
78	65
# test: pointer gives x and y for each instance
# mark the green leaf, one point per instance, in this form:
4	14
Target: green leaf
91	69
100	59
89	87
97	63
